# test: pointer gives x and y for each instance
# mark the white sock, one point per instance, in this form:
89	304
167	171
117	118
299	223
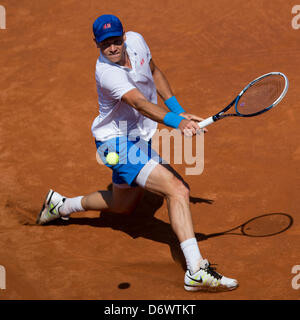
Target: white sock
192	254
71	205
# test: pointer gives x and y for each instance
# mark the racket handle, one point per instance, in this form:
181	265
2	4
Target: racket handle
205	122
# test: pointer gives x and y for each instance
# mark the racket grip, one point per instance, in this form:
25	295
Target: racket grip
202	124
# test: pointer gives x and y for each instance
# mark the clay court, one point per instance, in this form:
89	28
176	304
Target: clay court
209	51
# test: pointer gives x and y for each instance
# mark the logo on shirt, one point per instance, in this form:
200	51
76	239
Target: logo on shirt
107	26
142	61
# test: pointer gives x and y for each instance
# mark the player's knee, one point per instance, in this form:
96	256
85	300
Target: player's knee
180	189
184	190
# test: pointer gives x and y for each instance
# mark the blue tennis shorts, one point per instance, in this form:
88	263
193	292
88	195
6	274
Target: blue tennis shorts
133	155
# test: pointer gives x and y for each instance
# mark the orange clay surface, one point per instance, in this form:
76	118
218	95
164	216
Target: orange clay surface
48	100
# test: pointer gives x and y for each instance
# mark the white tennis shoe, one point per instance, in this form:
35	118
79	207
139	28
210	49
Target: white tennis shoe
208	279
50	209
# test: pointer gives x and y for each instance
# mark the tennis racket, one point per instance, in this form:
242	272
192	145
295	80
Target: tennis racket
259	96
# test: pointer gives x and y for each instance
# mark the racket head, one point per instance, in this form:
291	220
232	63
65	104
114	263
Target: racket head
267	225
262	94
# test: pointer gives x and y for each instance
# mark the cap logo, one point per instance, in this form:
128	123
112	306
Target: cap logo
142	61
107	26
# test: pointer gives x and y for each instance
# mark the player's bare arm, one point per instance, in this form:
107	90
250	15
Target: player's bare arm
136	99
164	89
162	85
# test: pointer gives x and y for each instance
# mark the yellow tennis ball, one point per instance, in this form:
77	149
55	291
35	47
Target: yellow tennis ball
112	158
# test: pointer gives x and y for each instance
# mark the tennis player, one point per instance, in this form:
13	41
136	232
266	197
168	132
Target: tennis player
128	81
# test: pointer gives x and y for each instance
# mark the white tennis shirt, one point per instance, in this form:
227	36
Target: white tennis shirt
113	81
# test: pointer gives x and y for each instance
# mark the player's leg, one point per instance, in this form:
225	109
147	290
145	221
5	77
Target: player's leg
176	193
122	199
156	178
200	275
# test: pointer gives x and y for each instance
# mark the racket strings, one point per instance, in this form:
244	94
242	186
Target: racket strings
261	95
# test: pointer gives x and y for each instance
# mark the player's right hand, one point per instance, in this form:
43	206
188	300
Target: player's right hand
188	127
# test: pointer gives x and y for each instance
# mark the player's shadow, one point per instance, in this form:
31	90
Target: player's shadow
141	223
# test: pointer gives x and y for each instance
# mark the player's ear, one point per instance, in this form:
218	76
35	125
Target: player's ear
124	36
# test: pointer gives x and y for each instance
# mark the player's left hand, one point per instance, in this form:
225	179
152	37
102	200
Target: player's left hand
193	117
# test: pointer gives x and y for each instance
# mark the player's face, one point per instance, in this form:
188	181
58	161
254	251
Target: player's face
113	48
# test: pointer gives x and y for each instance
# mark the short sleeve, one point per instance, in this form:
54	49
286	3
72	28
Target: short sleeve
116	83
144	44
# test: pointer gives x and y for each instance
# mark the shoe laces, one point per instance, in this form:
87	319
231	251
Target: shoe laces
212	271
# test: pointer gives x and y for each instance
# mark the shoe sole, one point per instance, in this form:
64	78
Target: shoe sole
46	202
220	288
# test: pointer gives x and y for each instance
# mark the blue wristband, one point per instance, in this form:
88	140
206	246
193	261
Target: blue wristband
171	119
173	105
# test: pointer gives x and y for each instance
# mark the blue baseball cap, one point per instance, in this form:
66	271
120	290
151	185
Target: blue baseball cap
107	26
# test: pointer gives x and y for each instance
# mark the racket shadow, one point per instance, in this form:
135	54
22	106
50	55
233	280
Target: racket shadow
265	225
